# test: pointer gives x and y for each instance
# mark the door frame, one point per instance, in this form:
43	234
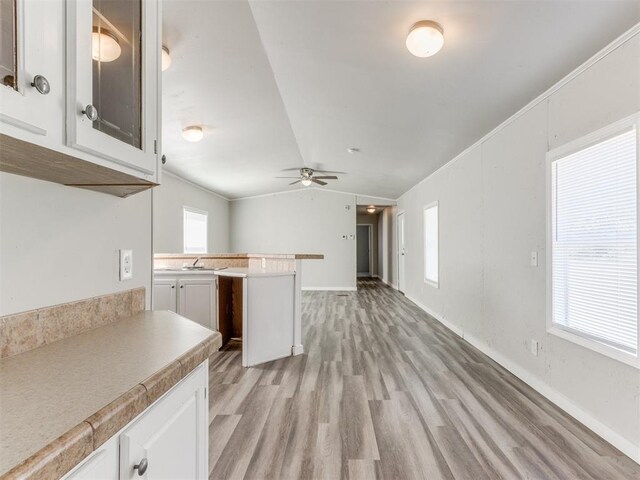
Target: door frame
370	230
400	285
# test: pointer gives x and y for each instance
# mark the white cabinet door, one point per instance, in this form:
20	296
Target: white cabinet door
39	38
197	299
100	465
172	436
164	294
267	327
113	67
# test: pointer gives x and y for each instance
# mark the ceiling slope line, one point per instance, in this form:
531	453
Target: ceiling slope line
275	80
600	55
193	184
320	189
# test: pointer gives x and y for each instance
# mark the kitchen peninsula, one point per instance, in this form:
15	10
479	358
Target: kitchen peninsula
255	298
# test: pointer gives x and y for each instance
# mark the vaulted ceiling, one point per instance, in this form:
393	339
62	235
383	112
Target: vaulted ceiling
280	84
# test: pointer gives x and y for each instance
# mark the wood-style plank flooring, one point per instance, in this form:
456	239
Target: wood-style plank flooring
385	391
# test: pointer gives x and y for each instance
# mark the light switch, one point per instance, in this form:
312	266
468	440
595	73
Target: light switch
534	259
126	264
534	347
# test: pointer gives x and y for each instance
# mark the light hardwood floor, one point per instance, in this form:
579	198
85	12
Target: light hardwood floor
385	391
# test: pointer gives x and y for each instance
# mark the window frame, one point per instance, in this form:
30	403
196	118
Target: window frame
185	209
428	281
586	141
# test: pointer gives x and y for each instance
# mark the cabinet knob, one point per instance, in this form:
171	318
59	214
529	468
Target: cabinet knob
41	84
181	286
173	286
91	112
141	467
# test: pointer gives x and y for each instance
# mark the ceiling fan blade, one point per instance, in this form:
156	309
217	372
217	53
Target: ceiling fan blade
297	181
286	177
330	171
319	182
294	169
326	177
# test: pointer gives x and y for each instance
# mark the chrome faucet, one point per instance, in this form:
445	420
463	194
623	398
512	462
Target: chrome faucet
196	262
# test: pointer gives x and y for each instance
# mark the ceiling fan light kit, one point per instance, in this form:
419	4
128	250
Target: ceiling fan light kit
307	177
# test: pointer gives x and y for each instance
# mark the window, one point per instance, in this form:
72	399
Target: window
431	244
594	243
195	230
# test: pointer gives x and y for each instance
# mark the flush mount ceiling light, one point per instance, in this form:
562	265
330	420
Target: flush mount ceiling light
306	182
192	133
353	150
425	38
166	58
371	209
105	46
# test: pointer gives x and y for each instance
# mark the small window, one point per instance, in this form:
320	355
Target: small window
195	230
431	244
594	242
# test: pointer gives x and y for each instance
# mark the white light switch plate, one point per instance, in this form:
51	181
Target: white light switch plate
534	347
534	259
126	264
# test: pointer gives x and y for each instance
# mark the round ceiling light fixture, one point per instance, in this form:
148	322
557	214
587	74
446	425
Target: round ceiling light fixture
306	182
166	58
425	38
105	46
371	209
192	133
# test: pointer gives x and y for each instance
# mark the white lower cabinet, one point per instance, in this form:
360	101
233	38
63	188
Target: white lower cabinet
169	440
191	295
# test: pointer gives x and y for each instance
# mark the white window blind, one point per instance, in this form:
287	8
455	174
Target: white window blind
195	231
431	243
594	269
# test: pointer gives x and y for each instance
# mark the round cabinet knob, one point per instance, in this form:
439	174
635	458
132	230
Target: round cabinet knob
173	286
141	467
41	84
91	112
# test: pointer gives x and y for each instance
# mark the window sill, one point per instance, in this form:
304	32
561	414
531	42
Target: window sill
432	283
595	346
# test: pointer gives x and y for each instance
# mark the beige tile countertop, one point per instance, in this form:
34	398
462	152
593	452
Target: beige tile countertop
61	401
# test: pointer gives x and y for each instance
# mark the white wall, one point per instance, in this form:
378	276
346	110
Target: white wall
59	244
492	215
301	221
168	200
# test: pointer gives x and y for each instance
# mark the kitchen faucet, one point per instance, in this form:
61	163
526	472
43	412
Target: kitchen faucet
194	263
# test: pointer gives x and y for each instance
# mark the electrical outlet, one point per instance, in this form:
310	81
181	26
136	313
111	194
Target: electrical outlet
351	237
534	259
126	264
534	347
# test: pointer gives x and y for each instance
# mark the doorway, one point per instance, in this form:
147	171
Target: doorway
401	252
363	253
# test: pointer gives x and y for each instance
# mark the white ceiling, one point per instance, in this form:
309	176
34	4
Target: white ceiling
290	84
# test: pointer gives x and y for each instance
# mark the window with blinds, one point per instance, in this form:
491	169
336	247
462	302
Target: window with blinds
594	241
431	244
194	230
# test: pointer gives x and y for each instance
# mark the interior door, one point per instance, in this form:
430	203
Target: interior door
363	253
164	294
170	440
402	251
197	300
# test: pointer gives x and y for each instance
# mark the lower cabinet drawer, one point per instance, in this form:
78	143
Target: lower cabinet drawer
170	439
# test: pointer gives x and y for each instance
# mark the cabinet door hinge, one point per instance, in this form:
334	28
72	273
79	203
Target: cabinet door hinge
155	147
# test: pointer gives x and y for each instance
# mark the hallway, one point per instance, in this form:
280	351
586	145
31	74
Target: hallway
385	391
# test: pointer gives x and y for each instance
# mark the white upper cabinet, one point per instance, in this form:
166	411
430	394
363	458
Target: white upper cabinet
31	47
113	81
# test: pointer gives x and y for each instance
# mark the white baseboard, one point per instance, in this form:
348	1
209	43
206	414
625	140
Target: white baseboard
550	393
329	289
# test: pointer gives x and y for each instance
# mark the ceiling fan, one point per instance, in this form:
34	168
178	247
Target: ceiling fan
308	176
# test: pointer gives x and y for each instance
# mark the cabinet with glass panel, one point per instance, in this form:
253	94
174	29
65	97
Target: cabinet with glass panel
113	76
31	68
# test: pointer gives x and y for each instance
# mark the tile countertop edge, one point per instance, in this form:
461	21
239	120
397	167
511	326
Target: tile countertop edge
295	256
68	450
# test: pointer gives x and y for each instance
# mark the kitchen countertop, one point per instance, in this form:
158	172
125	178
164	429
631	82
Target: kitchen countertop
295	256
61	401
249	272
